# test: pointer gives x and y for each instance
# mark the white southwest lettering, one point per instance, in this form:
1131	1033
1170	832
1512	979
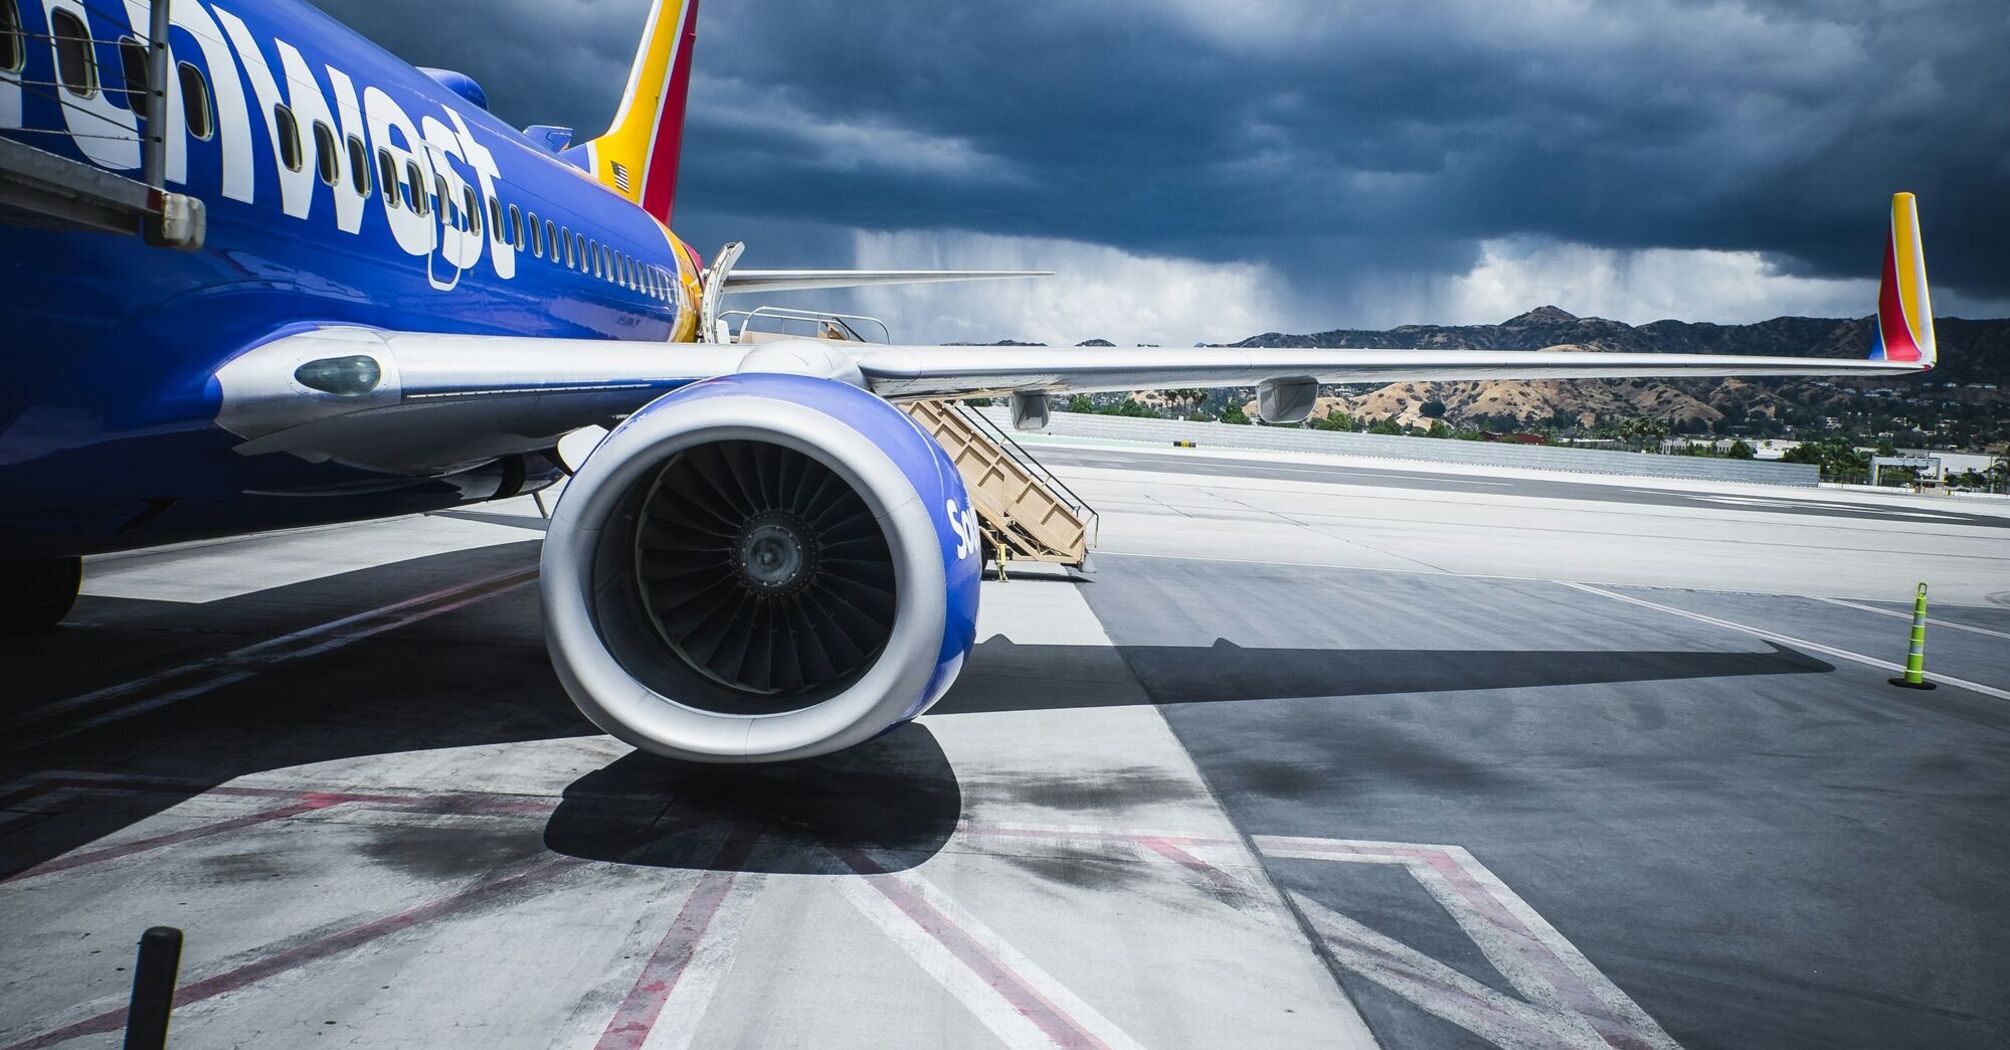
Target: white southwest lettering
414	232
231	52
349	115
233	125
459	245
502	251
103	130
296	188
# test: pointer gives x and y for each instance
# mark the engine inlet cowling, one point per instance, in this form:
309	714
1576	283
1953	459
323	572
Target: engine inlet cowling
760	567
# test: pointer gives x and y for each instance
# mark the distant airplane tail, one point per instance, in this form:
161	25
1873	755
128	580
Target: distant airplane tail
1904	309
638	155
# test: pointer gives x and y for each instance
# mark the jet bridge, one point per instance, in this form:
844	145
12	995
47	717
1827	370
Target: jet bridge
1026	513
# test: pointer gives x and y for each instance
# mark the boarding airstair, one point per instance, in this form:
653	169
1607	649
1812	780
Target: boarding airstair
1025	512
118	126
1028	513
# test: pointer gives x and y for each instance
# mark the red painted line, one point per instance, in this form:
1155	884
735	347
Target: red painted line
29	793
201	831
303	802
636	1017
293	958
1216	877
1064	1030
457	803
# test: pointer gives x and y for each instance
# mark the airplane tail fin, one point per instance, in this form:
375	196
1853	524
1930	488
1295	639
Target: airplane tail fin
1904	309
638	155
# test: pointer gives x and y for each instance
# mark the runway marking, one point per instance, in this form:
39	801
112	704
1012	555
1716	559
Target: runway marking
634	1021
1908	616
79	860
1010	994
1574	1004
293	953
240	664
1562	999
1799	643
302	802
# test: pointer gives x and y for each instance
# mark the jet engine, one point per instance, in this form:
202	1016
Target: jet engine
760	567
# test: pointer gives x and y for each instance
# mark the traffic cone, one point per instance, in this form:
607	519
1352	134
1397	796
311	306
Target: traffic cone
1915	654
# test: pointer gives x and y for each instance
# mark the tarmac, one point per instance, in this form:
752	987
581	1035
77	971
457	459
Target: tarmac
1319	754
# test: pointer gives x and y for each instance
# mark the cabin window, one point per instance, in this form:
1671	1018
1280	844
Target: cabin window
417	186
359	166
474	209
13	43
387	177
195	101
571	249
133	65
551	239
444	201
595	261
536	237
288	130
76	59
327	157
516	226
496	220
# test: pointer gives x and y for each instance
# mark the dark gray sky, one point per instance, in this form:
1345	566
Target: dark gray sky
1205	169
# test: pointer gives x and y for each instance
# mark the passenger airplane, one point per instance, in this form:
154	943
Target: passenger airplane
400	304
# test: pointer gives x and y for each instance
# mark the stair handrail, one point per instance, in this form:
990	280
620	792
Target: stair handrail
1091	518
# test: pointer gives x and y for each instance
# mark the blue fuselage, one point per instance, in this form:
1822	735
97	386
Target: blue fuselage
109	345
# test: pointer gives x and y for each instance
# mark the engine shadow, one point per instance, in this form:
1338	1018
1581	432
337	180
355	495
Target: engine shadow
895	795
995	676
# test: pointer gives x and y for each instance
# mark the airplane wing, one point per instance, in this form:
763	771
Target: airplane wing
802	280
416	402
912	372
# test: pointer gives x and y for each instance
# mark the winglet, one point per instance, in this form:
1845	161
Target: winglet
1904	310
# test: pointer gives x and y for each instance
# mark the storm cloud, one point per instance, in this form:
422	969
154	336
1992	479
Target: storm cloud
1318	162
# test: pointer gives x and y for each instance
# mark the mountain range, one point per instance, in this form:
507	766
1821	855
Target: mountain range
1974	355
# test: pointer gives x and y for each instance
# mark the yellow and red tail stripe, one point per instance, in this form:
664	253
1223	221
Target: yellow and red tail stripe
638	155
1904	309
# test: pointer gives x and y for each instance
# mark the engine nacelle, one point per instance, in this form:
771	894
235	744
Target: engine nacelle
760	567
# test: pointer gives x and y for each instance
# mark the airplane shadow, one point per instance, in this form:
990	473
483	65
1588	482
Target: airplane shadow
480	676
1225	672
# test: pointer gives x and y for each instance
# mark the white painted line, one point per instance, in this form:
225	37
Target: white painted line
1438	989
240	664
1021	1003
1537	960
1908	616
685	1007
1012	1028
1043	982
1799	643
